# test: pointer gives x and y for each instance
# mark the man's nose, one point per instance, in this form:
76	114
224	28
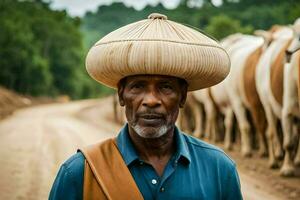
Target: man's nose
151	99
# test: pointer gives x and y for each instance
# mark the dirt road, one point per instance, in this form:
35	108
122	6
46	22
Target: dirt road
35	141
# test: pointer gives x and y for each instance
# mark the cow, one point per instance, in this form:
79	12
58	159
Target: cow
220	100
290	105
226	96
269	84
230	95
237	92
202	99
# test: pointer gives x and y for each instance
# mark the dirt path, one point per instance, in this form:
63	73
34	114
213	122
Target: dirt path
35	141
255	170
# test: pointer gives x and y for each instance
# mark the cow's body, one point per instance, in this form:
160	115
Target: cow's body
268	71
219	93
290	105
235	85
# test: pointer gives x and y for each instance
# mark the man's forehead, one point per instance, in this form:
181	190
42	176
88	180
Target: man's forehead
148	77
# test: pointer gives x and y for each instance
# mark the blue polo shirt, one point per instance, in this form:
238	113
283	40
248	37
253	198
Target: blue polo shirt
197	170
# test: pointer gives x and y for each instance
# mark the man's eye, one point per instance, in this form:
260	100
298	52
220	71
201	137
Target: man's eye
167	87
137	86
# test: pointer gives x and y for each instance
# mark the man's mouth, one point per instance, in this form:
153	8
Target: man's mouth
151	119
151	116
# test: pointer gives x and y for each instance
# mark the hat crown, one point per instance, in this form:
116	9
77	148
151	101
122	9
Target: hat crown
158	28
157	16
158	46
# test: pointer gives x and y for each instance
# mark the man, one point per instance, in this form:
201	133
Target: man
152	63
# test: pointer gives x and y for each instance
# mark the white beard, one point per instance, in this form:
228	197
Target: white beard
154	133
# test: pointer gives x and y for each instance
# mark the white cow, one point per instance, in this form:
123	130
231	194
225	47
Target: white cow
265	75
205	99
220	96
290	109
232	95
235	86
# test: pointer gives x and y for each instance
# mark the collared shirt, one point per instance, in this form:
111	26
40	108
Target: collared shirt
197	170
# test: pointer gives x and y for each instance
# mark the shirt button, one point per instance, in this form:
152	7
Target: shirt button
162	189
154	181
175	163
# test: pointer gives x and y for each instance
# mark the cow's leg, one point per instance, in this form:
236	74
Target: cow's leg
244	126
210	127
289	102
184	119
207	130
297	157
271	132
259	120
288	168
202	121
278	149
213	120
228	128
197	114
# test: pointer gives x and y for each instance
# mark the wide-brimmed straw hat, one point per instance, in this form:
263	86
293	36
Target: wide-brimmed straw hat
158	46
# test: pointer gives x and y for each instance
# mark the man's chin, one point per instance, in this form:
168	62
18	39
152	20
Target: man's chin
150	132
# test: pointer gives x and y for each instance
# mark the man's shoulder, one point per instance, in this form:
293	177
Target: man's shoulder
75	164
211	152
69	180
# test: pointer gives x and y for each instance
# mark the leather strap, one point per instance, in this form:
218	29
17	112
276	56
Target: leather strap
105	165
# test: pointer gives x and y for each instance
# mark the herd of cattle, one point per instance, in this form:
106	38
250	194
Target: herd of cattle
257	105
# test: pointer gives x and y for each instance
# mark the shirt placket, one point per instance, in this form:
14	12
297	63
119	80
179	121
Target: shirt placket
158	184
162	191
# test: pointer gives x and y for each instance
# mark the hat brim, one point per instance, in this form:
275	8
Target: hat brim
201	65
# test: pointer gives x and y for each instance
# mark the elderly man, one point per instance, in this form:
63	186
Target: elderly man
152	63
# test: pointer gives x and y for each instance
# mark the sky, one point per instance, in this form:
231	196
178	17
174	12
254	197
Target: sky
80	7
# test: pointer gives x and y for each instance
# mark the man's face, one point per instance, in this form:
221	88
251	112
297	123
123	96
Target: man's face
152	103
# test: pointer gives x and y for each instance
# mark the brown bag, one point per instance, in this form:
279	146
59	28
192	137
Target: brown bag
106	175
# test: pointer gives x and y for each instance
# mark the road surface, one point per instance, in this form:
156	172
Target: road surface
36	140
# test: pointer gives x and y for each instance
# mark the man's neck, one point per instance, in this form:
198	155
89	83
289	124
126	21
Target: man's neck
155	151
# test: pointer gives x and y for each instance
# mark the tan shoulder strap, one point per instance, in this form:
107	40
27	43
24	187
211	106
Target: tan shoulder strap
110	171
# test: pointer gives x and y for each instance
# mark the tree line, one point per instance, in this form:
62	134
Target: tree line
42	51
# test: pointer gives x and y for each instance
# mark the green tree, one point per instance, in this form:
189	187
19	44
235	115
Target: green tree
221	26
20	58
41	50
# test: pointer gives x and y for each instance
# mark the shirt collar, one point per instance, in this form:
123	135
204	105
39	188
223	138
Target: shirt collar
126	147
130	154
182	150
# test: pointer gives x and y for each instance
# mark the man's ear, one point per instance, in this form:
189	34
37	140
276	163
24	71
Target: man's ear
120	94
183	97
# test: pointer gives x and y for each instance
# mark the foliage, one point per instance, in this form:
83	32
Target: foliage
237	15
20	59
221	25
42	51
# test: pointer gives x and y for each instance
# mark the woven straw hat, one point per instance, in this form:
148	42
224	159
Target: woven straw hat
158	46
